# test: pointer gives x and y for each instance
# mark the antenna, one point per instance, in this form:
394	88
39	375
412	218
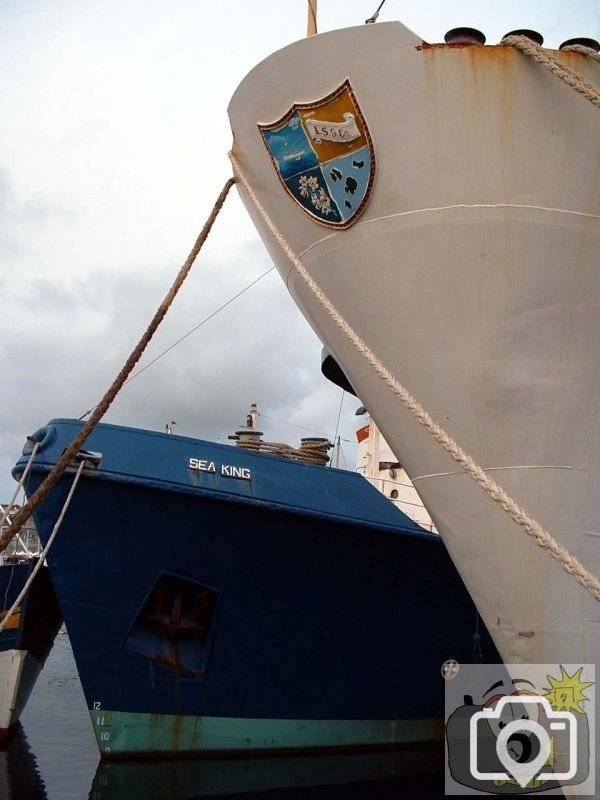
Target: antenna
375	15
311	26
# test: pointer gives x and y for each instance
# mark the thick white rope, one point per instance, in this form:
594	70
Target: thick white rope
44	552
11	502
585	51
566	74
496	492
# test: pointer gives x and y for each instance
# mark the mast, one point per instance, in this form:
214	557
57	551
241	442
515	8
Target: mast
311	25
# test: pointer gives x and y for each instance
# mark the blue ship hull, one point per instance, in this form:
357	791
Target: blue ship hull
221	600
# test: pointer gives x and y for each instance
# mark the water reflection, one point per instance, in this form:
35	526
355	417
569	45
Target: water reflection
373	775
19	776
58	728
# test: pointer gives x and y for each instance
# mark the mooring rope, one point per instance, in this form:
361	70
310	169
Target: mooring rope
311	451
496	492
581	48
566	74
532	528
44	553
54	475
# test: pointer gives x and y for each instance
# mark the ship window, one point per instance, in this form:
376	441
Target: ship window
394	494
174	627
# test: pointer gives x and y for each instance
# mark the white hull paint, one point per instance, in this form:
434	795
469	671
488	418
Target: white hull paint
473	276
19	671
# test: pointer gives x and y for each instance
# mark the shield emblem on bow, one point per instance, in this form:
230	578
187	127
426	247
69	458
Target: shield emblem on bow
324	157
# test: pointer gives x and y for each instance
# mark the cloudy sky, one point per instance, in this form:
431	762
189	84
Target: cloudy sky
113	147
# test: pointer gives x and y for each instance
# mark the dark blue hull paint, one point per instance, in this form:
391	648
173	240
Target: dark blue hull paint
30	631
316	599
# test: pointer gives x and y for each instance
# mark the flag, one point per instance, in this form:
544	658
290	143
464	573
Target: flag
362	433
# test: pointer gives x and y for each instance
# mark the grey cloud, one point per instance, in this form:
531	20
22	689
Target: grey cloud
73	337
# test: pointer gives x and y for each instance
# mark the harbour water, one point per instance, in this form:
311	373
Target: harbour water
54	757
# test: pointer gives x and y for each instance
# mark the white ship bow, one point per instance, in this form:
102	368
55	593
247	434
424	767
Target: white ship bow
473	275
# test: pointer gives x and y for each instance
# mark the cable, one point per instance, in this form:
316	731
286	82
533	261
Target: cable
337	424
189	333
375	15
302	427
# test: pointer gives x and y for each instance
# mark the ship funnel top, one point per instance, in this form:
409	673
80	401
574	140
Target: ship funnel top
464	36
533	35
581	41
250	432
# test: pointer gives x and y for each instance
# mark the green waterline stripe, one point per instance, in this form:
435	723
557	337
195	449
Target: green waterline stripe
128	732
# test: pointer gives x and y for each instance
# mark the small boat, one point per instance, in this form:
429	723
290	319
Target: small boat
246	599
29	633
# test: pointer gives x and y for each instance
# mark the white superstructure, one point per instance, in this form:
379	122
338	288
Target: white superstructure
376	462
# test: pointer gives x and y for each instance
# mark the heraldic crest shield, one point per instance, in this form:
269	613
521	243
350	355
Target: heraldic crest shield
323	154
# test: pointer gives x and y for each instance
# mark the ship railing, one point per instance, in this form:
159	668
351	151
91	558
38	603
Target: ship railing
24	546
